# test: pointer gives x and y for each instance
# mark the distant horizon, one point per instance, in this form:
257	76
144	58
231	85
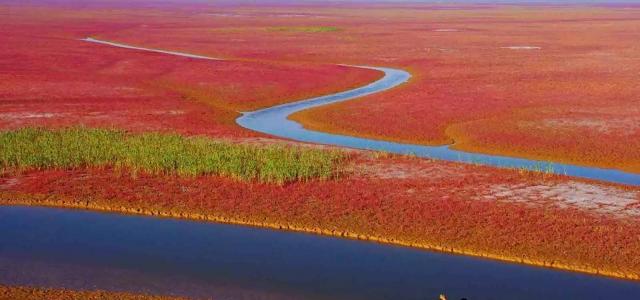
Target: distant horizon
442	2
316	3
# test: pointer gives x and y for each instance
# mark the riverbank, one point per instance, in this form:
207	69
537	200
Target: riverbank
364	206
341	234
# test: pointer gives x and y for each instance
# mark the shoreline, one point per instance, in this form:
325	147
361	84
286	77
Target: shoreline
209	217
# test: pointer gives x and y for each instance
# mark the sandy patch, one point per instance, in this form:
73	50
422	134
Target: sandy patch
30	115
167	112
272	15
522	48
419	169
594	198
629	125
232	15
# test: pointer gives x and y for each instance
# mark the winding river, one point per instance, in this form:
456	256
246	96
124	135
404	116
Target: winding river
90	250
274	121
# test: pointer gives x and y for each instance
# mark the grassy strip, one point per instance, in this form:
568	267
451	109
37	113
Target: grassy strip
155	153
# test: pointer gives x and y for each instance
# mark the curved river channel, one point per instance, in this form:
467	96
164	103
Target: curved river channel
274	121
89	250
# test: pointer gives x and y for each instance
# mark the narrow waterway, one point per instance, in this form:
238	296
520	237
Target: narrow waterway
274	121
89	250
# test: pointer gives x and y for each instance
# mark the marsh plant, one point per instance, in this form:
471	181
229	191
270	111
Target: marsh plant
304	29
158	153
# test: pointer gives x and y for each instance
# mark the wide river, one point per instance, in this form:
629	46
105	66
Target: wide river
90	250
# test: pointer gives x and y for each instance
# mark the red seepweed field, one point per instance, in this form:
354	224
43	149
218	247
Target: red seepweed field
526	80
552	83
465	209
50	77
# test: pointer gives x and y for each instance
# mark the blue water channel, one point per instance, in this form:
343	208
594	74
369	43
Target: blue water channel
89	250
274	121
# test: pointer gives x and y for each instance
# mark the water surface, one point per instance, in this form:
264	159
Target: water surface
89	250
274	121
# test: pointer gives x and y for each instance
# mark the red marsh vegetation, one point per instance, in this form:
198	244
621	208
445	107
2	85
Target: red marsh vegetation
551	83
479	79
503	214
48	77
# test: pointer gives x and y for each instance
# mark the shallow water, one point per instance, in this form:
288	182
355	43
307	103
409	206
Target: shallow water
89	250
274	121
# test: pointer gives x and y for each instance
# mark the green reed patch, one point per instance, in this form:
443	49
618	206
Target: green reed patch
156	153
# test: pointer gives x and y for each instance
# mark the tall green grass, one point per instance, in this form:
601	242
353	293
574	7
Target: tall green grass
38	148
